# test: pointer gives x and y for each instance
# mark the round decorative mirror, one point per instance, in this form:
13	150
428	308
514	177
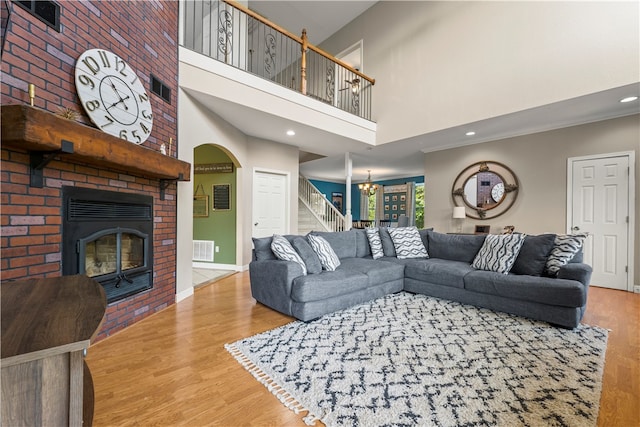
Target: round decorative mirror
486	189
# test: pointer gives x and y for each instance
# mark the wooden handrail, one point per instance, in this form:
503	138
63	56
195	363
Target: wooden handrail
262	19
302	40
342	64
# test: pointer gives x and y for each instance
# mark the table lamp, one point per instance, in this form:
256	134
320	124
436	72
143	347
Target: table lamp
459	214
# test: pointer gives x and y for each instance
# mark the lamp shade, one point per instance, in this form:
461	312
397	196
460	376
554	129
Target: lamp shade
459	212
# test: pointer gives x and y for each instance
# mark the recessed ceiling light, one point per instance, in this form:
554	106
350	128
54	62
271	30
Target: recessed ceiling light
470	133
290	132
629	99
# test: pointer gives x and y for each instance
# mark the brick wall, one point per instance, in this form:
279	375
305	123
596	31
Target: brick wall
145	35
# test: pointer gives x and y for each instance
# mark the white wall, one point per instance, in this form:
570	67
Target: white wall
196	126
451	63
540	163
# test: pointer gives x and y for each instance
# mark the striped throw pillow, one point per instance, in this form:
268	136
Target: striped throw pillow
408	243
283	250
373	235
498	252
565	247
328	257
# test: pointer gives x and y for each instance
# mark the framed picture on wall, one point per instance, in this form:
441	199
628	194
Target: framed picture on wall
394	198
221	197
394	207
201	206
386	207
403	197
386	198
386	216
403	207
394	216
336	199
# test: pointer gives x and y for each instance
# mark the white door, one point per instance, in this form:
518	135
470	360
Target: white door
600	207
270	198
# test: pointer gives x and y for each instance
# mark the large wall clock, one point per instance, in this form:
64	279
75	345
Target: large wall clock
113	96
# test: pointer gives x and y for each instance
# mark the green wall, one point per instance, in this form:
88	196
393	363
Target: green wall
219	226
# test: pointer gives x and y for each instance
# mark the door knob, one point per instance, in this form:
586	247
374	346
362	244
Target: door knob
256	224
576	228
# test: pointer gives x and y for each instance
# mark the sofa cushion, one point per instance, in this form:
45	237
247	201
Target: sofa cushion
498	252
377	271
362	243
387	243
565	247
322	248
343	243
544	290
425	238
308	255
533	255
375	243
407	242
328	284
454	247
284	251
438	271
262	247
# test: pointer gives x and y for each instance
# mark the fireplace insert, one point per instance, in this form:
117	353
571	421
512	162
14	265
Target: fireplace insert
108	236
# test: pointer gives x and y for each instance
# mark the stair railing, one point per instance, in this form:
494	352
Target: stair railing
320	207
230	32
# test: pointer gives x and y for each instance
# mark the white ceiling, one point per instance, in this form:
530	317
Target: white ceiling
321	19
404	158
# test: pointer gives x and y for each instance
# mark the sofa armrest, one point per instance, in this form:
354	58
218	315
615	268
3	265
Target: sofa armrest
271	282
576	271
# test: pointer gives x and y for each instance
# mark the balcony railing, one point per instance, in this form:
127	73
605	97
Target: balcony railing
231	33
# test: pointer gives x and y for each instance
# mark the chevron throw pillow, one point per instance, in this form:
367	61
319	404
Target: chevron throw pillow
498	252
325	252
373	235
408	243
283	250
565	247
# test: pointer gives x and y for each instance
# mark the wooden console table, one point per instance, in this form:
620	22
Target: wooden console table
46	326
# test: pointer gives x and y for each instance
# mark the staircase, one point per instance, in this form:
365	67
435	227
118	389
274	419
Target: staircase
315	212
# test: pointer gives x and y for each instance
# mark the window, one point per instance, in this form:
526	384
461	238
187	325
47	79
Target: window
46	11
419	205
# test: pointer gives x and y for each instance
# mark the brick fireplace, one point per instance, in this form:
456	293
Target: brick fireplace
145	35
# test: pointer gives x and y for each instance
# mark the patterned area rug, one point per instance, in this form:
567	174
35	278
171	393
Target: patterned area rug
412	360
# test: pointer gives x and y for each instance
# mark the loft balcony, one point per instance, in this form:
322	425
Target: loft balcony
246	69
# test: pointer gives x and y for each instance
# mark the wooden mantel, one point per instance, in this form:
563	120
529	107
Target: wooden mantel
35	130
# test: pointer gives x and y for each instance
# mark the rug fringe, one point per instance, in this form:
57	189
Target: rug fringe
286	398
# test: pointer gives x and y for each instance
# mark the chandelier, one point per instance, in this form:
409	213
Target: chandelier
368	188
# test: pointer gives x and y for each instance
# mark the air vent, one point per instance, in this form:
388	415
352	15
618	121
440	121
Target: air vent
160	89
203	250
46	11
93	210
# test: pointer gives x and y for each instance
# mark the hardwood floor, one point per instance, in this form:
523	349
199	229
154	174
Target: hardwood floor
172	368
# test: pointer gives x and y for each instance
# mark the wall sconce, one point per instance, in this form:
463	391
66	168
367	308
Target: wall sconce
459	214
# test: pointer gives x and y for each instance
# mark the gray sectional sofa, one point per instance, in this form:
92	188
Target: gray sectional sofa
446	273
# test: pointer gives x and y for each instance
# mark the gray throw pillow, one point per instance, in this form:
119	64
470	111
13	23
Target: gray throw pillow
307	254
387	243
498	252
454	247
362	243
262	248
284	251
533	255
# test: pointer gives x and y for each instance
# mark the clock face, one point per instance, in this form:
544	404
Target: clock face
113	96
497	192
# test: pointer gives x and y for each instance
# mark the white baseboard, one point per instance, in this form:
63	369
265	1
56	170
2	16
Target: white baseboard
184	294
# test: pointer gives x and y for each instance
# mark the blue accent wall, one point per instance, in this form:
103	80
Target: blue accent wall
330	187
327	188
355	192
